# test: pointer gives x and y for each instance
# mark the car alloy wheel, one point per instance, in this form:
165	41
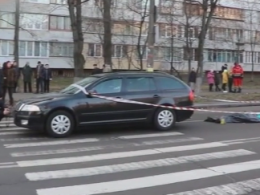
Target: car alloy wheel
60	124
165	118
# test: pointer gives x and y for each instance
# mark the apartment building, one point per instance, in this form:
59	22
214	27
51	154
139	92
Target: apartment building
45	34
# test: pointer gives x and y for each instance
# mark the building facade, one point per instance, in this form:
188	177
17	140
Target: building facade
45	35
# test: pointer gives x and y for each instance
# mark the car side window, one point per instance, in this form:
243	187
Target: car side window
108	86
165	83
136	84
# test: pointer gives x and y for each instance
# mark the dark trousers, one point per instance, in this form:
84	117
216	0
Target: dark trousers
224	86
217	87
27	84
230	84
15	86
46	85
39	85
210	87
8	90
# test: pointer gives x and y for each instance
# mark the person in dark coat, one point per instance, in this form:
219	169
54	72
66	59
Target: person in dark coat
95	70
17	75
224	67
217	81
27	77
1	80
192	79
39	77
9	82
47	77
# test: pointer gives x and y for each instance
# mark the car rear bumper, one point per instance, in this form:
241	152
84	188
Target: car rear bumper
26	120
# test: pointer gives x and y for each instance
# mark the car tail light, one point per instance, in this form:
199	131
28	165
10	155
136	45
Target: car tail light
191	96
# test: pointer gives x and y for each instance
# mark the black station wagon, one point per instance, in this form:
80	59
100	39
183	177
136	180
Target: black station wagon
62	113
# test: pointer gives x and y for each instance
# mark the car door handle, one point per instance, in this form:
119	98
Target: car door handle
156	96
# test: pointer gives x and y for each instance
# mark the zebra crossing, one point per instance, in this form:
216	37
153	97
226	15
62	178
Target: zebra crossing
145	163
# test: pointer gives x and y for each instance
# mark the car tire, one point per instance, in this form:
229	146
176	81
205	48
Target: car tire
60	124
164	119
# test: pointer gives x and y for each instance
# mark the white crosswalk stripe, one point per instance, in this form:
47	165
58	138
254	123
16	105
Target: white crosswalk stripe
126	164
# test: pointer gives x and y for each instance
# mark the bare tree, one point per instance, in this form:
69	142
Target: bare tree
75	13
205	9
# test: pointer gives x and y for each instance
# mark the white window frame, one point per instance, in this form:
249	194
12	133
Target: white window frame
59	2
33	25
64	18
178	55
33	51
7	22
37	1
61	46
94	50
4	46
122	54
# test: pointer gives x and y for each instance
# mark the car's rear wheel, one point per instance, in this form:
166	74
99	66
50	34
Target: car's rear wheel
164	119
60	124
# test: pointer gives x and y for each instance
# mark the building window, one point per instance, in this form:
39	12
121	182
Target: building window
218	55
172	54
34	21
93	27
119	51
33	49
141	4
99	3
62	2
7	20
60	23
94	50
4	46
61	49
37	1
229	13
171	7
168	31
142	53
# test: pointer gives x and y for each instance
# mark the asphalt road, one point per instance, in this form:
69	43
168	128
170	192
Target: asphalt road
197	158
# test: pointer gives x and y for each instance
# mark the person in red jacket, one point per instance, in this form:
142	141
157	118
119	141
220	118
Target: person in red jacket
237	74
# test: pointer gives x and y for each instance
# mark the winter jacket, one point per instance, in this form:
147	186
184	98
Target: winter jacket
9	77
192	77
47	74
216	78
27	73
39	71
225	77
210	78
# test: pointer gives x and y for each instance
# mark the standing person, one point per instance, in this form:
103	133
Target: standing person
27	77
216	81
237	73
17	75
210	78
225	77
224	67
192	79
230	80
39	77
95	70
9	82
47	77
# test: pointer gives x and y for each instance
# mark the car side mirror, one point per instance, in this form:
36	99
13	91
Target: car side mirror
90	92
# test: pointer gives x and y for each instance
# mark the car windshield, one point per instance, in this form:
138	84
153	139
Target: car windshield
83	83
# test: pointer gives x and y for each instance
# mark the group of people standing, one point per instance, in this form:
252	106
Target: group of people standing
230	78
10	75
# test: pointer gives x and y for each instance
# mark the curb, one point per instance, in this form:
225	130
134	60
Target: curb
230	105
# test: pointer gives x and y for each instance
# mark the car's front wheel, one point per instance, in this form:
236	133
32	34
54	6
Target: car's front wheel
60	124
164	119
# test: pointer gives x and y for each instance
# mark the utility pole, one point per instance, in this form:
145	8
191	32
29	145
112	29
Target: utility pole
16	31
151	36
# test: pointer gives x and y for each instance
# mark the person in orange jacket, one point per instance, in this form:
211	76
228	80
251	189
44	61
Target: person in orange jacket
237	74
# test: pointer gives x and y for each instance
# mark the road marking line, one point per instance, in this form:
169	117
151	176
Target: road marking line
150	135
151	181
15	133
50	143
24	139
83	172
116	155
238	188
85	149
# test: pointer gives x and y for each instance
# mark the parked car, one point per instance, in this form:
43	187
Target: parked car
60	114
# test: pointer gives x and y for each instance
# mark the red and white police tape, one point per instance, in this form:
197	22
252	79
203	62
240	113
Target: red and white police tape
155	105
229	101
